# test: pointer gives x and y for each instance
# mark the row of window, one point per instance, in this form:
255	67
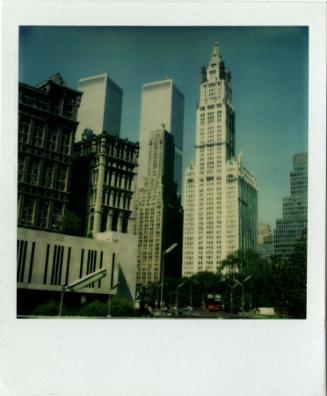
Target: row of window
40	213
39	134
210	117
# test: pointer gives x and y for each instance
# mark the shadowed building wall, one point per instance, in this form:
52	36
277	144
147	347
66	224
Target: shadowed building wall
46	130
158	212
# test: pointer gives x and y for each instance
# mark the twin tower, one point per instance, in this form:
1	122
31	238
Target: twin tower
220	195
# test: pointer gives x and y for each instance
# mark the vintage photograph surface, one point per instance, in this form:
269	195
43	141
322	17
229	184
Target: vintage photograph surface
162	172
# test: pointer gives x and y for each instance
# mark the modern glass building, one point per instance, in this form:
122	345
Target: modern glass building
289	229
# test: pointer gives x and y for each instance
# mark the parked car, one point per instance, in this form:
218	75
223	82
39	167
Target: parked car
184	310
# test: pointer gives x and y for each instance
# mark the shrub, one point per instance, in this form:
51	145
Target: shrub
50	308
121	307
95	308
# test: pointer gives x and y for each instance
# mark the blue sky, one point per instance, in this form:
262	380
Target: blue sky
269	68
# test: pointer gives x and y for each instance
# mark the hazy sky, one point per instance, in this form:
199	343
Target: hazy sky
269	80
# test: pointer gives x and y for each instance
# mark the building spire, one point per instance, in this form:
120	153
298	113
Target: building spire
215	53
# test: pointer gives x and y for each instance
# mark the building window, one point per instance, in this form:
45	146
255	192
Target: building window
48	172
212	93
211	116
68	109
21	162
33	173
24	126
28	211
37	139
62	175
56	215
65	143
43	214
52	140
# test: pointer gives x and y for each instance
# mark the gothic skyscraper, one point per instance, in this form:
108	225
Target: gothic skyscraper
220	200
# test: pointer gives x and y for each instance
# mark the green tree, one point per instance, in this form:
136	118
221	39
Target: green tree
70	224
259	287
261	281
203	283
290	281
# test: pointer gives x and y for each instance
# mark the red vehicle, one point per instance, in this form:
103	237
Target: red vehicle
213	307
213	302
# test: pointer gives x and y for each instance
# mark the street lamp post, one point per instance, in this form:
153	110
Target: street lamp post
231	294
180	285
191	292
168	250
63	289
242	286
158	286
109	299
80	284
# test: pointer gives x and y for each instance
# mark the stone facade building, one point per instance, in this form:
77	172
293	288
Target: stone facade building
93	178
220	195
157	209
46	130
158	212
103	174
289	229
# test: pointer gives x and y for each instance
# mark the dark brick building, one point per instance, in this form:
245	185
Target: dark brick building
47	125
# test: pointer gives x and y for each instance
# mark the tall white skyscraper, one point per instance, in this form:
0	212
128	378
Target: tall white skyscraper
162	106
220	195
100	108
289	229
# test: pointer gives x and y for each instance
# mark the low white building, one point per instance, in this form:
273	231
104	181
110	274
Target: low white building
47	261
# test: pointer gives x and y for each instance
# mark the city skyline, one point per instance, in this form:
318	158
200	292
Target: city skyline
269	68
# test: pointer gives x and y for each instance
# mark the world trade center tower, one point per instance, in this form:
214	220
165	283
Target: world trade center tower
162	106
157	207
